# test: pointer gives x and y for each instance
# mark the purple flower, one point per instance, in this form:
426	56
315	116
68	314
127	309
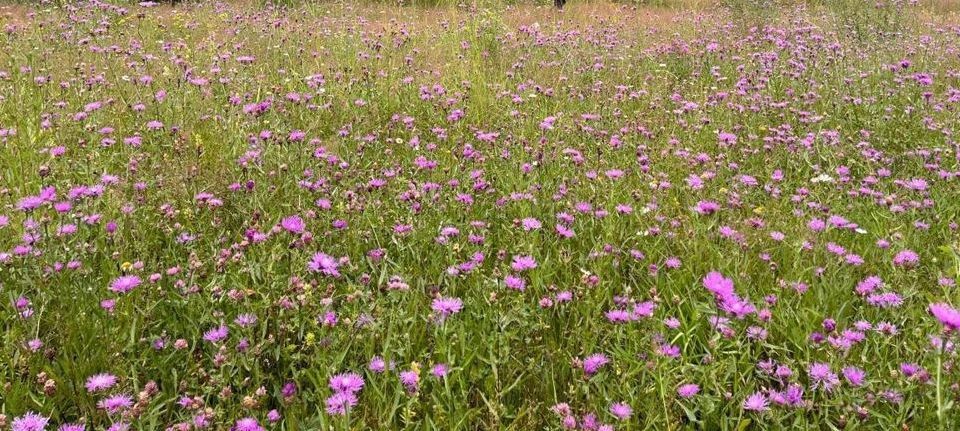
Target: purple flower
948	316
885	300
821	376
410	380
100	382
515	283
793	396
377	364
707	207
619	316
909	369
346	382
439	371
906	258
116	403
523	263
245	320
868	285
756	402
340	402
293	224
594	362
289	389
644	309
727	299
547	123
531	223
324	264
217	334
125	283
447	306
854	376
273	416
688	390
621	411
726	138
30	422
30	203
247	424
717	284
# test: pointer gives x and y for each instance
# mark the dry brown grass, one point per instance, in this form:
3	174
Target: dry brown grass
14	14
942	6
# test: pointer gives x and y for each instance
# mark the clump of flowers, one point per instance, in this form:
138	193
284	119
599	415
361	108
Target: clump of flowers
346	387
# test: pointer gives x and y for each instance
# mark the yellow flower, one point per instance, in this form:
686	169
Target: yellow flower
758	210
126	266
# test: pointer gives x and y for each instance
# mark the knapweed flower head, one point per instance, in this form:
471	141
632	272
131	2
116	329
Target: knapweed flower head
124	284
948	316
514	282
439	371
115	403
531	224
593	363
688	390
523	263
247	424
346	387
822	377
346	382
119	426
756	402
324	264
340	402
727	300
621	411
100	382
273	416
30	422
792	396
216	334
445	306
245	320
906	258
377	364
293	224
707	207
410	380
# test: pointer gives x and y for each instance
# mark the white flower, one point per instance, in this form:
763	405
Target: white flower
822	178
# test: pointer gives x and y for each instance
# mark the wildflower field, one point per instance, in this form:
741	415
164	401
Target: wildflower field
352	216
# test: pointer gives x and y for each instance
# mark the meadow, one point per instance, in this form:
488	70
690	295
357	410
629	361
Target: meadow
480	216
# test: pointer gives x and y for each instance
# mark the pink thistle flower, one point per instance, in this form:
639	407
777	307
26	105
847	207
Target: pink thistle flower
324	264
125	283
594	362
100	382
948	316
